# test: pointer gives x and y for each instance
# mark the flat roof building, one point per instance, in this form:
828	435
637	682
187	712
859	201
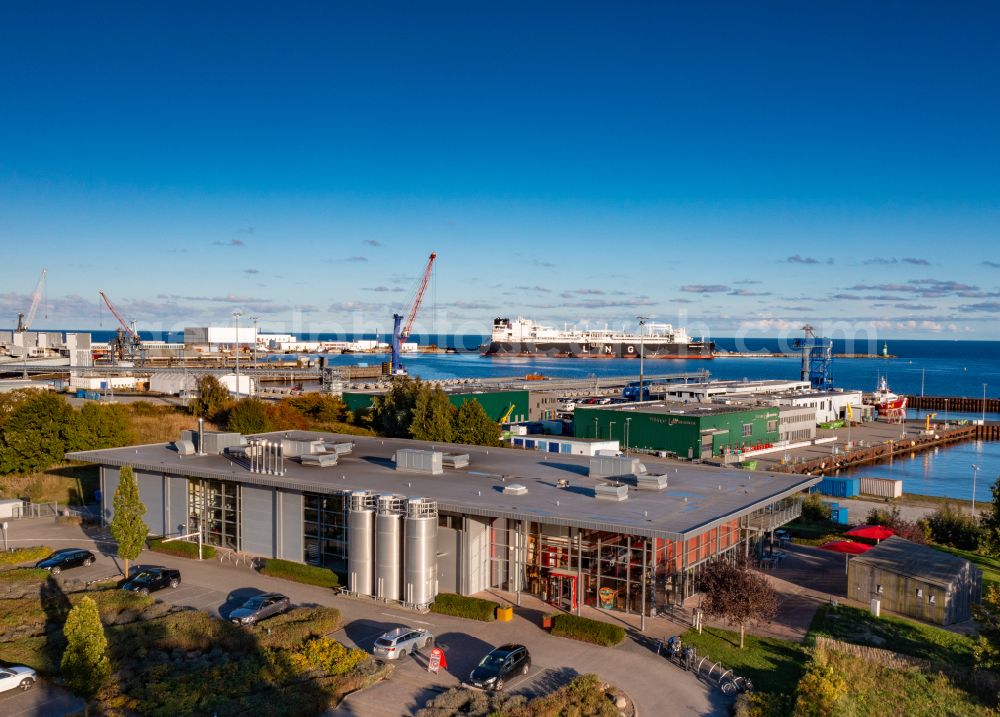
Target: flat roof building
402	520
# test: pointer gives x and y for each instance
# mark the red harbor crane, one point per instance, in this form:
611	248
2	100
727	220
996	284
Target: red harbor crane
127	341
401	331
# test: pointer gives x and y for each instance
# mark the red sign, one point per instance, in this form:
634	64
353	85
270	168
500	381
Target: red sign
437	660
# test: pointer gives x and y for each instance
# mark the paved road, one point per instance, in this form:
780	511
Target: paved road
42	700
656	687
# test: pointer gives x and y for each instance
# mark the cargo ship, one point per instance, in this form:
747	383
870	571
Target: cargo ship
523	337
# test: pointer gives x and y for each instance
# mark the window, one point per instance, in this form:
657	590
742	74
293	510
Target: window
747	430
772	426
920	592
879	590
933	600
325	528
215	507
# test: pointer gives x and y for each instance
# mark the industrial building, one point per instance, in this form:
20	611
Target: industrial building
501	406
915	580
693	431
402	520
210	339
706	391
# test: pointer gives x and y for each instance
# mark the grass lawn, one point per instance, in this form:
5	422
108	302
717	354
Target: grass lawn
773	665
989	566
850	624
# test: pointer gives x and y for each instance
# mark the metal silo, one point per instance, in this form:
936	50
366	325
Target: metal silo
360	535
388	546
420	567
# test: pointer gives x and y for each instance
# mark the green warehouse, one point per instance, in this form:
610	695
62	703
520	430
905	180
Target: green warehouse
499	405
684	430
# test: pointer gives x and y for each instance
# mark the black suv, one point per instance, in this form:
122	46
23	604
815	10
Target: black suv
500	664
152	579
66	558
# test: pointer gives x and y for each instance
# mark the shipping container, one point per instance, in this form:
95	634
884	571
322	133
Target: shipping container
882	487
839	487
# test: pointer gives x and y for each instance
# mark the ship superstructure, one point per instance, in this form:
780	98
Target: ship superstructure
524	337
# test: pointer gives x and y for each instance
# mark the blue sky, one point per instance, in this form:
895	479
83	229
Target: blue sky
730	167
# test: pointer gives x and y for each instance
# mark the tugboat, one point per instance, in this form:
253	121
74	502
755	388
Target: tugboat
890	406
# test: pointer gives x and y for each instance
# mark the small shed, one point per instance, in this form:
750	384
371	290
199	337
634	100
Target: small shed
916	580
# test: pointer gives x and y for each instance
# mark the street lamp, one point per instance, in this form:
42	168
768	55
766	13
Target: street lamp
627	421
254	319
237	315
3	526
975	469
984	404
610	424
642	323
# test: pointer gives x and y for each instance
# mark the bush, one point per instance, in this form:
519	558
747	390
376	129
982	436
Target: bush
468	607
950	526
326	654
308	574
814	510
33	553
296	626
181	548
587	630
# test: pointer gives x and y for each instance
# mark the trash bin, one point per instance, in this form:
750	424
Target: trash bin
505	613
546	622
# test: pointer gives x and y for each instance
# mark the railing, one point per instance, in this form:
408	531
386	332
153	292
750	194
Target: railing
27	509
775	517
237	558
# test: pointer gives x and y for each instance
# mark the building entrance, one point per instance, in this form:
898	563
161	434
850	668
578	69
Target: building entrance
562	589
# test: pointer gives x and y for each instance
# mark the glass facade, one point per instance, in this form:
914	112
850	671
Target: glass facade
325	525
214	508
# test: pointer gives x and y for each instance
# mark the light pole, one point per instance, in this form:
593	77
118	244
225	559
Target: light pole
642	324
627	421
610	424
975	469
237	315
984	404
3	526
255	319
946	410
595	428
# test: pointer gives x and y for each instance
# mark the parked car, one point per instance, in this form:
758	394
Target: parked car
401	641
66	558
260	607
498	665
11	677
152	579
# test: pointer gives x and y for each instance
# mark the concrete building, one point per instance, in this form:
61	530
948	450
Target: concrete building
210	339
563	445
706	391
693	431
403	520
796	423
915	580
829	405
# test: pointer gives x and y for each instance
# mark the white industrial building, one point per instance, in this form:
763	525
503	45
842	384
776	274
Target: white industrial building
829	405
215	338
706	391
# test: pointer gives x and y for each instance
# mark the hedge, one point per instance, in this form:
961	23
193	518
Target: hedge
181	548
32	553
587	630
308	574
469	607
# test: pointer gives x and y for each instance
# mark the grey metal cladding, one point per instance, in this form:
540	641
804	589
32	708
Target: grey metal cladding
291	526
108	493
151	494
257	520
177	500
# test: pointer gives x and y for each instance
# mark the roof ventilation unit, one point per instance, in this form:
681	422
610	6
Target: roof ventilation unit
611	491
417	461
515	489
184	447
455	460
615	467
651	482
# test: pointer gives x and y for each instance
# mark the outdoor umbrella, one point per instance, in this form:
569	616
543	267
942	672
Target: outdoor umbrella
870	532
846	546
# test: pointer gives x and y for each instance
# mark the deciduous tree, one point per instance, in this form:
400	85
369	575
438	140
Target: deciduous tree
85	665
127	525
392	412
989	522
433	416
212	397
34	431
737	594
249	415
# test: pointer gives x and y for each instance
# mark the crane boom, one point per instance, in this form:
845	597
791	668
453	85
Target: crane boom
419	297
128	329
24	321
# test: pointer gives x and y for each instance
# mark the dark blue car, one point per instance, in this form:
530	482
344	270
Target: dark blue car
66	558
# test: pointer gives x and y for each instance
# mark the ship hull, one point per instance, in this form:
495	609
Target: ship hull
601	350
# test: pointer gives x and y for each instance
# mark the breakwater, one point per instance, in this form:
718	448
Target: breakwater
954	403
827	465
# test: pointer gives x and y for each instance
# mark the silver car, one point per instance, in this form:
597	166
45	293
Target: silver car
260	607
402	641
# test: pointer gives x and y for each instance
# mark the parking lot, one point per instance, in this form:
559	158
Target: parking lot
217	588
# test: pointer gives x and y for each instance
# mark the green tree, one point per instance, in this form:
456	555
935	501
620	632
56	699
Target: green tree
100	426
950	526
433	416
85	665
989	522
814	510
127	525
212	398
392	412
248	415
319	407
473	427
34	431
737	594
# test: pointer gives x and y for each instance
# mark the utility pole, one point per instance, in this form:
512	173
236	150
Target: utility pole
975	469
642	324
237	315
255	319
984	404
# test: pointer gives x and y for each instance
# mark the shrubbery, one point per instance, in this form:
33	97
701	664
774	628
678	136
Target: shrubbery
24	555
309	574
950	526
584	696
463	606
181	548
813	509
587	630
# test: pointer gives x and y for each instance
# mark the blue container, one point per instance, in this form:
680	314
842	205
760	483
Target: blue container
80	393
839	487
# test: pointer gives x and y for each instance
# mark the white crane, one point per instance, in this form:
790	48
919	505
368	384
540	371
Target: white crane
24	321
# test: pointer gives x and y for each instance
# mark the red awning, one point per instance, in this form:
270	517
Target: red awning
846	546
871	532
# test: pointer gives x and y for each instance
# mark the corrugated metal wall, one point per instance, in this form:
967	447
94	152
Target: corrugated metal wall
109	484
257	521
449	548
476	561
292	529
151	494
177	504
